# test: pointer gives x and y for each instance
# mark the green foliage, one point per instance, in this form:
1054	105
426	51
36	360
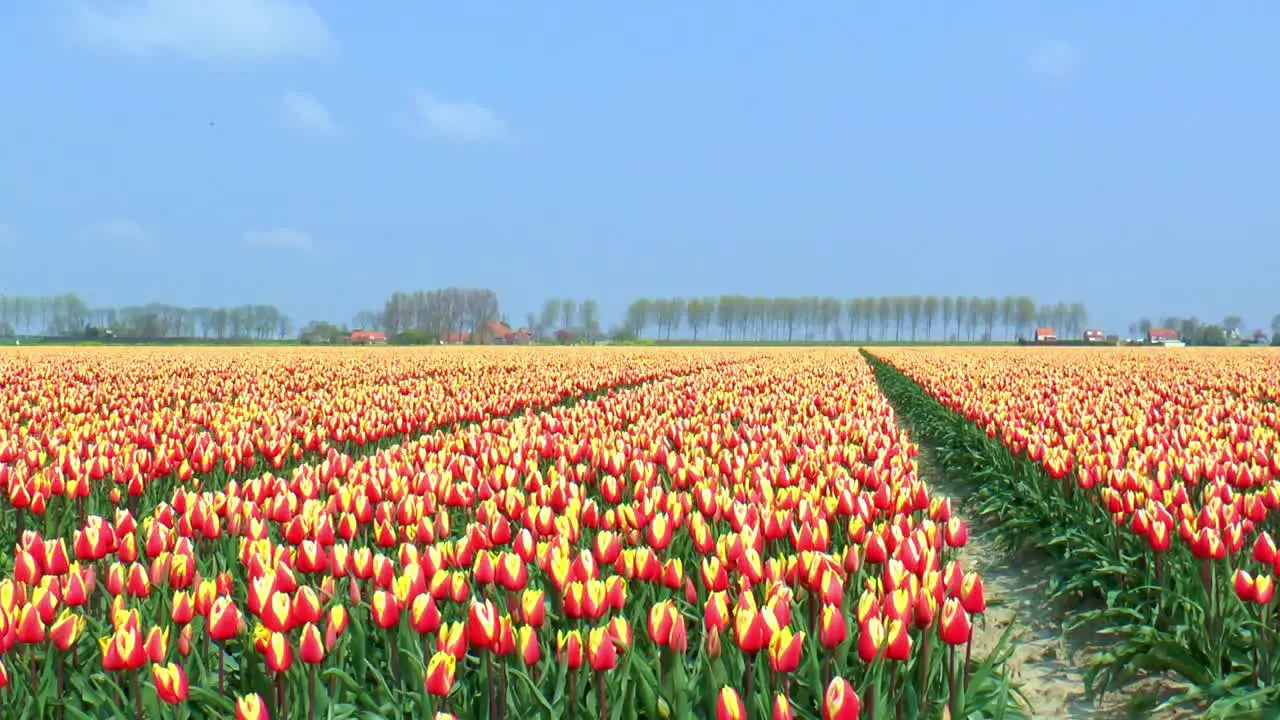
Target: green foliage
319	332
416	337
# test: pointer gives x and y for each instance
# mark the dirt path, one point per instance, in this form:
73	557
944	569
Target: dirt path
1046	664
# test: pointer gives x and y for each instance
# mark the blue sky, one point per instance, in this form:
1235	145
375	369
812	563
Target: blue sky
320	155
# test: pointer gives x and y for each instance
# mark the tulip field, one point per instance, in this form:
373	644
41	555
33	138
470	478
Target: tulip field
1147	481
476	533
660	533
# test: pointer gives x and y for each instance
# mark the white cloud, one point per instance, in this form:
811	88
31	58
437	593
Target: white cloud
1053	57
280	238
120	231
219	30
307	113
461	120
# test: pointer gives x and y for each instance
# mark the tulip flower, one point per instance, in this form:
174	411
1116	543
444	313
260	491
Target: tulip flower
1242	582
224	619
182	608
30	628
661	619
66	630
533	611
424	616
749	630
311	648
441	671
840	701
482	624
569	649
1264	589
156	643
278	653
832	629
729	705
785	650
123	649
782	708
602	654
452	639
384	609
170	681
527	645
972	595
954	626
251	707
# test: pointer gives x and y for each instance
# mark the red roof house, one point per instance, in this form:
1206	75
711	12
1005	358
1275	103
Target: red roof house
1045	333
368	337
1162	335
1094	335
458	338
498	332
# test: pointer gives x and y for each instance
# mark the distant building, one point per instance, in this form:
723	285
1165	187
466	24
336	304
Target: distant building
1045	334
1160	336
458	338
1095	336
368	337
498	332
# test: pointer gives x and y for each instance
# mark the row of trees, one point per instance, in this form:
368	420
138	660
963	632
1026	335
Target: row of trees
67	315
916	317
434	314
579	317
1194	332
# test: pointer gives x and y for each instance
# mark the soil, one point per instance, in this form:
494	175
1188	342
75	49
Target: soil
1047	664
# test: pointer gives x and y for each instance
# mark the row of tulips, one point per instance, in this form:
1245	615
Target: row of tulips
761	519
1153	479
71	417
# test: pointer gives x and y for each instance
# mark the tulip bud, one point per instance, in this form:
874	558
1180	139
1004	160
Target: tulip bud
441	671
311	645
171	682
840	701
782	708
729	705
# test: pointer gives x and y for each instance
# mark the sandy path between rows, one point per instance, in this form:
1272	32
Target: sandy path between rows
1046	664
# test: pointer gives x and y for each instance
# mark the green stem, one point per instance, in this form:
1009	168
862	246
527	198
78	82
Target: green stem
137	693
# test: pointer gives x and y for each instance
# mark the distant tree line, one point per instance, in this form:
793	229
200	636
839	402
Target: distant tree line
572	318
431	315
67	315
916	317
1194	332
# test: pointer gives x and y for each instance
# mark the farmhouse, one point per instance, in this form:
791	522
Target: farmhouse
458	338
501	333
1045	334
1160	336
368	337
1095	336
